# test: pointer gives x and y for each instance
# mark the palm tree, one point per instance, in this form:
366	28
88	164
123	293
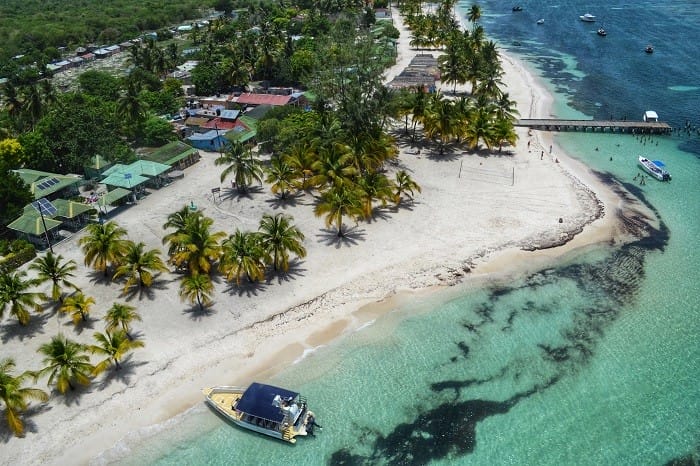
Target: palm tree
129	106
120	316
14	292
374	185
404	185
506	108
15	397
138	265
480	127
279	237
13	105
336	202
420	105
452	65
103	245
440	121
301	157
243	254
245	167
281	175
33	103
178	221
474	15
198	247
66	363
333	165
114	345
504	133
50	268
78	306
197	288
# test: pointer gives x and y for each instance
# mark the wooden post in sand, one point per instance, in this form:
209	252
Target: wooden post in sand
460	168
512	183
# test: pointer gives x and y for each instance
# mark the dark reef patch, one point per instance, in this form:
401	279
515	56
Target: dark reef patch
584	298
442	432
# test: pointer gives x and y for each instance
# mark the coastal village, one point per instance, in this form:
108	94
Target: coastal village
270	221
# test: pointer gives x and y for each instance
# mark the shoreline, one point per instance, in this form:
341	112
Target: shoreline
274	326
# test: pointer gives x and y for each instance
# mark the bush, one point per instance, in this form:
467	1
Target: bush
19	257
20	244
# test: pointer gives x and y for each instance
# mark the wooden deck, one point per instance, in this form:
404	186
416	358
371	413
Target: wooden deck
603	126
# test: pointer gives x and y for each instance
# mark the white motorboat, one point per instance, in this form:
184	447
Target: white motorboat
540	21
269	410
588	18
655	168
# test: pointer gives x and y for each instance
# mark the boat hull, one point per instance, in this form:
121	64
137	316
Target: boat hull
223	400
654	170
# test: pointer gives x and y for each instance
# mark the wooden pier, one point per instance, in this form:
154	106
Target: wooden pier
602	126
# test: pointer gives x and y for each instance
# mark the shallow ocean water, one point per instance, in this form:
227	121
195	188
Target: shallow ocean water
593	361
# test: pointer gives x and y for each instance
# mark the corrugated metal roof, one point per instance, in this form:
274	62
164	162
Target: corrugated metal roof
261	99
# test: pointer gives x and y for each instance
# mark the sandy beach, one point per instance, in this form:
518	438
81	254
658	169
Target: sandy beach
477	217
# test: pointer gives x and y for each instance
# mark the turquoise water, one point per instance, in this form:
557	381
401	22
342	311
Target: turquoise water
594	361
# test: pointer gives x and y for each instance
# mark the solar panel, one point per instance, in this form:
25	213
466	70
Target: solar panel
45	207
41	185
52	181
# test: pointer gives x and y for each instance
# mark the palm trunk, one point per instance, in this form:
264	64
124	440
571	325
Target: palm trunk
199	301
339	221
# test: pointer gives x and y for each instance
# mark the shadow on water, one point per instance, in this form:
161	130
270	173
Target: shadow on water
448	430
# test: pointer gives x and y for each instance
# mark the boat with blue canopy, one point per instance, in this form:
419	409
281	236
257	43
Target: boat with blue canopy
655	168
269	410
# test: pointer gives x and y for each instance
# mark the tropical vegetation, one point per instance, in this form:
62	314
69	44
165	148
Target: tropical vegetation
119	317
15	396
113	346
66	363
52	268
16	295
103	245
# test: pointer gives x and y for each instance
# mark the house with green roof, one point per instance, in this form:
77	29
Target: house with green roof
177	154
49	185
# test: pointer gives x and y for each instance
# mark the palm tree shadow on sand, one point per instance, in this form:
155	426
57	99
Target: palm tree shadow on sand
98	277
295	270
350	236
13	329
246	288
289	201
231	194
196	312
83	325
30	427
450	153
124	375
148	292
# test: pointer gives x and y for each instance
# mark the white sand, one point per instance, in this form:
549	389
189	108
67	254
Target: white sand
479	221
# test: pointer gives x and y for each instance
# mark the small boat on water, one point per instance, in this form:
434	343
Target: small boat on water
540	21
269	410
602	32
587	18
649	49
655	168
517	8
